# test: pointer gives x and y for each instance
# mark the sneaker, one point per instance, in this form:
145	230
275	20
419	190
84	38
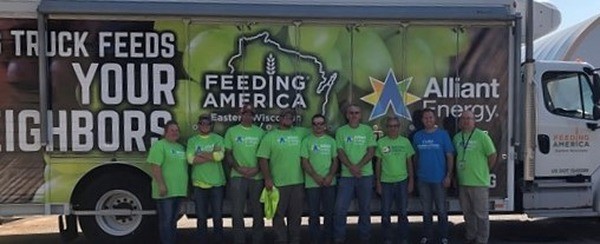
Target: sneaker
444	241
424	240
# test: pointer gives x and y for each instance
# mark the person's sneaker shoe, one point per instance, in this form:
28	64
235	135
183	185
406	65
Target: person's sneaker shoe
424	240
444	241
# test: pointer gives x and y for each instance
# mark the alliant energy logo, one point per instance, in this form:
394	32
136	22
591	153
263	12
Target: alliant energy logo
450	96
390	94
271	88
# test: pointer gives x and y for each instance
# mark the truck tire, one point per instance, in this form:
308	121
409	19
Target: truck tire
118	191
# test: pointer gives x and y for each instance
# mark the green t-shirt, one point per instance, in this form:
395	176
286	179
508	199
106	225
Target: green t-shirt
282	149
320	152
244	141
355	142
209	173
472	164
171	159
393	154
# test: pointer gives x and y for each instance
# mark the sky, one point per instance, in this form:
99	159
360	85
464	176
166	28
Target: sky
575	11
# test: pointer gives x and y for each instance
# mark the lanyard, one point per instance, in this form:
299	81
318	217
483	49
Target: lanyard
465	144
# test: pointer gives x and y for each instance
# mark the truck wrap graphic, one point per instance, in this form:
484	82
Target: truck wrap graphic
113	84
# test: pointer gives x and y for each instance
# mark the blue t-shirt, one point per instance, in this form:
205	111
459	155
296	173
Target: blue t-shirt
431	149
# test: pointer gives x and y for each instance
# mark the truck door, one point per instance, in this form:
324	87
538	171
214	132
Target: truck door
565	134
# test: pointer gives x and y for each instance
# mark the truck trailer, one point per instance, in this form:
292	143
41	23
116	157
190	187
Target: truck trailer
85	87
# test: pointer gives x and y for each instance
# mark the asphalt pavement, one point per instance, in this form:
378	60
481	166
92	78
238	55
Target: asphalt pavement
505	229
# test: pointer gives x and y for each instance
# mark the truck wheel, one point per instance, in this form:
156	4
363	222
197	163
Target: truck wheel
118	191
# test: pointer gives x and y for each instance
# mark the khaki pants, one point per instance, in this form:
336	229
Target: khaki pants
474	202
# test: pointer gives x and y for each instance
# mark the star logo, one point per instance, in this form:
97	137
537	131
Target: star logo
281	140
390	93
238	139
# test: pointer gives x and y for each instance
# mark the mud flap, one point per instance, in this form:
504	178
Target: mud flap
67	225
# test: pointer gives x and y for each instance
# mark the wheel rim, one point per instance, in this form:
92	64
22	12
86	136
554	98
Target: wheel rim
118	225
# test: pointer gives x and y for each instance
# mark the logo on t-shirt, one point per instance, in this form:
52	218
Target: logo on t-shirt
177	153
247	140
289	140
428	144
358	139
321	148
204	148
386	149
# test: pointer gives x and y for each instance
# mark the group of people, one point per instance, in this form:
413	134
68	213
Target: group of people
302	165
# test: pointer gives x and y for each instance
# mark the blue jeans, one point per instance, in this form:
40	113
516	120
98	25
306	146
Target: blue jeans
347	188
167	210
202	199
430	193
396	192
318	197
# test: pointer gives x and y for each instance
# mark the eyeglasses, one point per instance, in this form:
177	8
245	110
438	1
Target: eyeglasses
318	123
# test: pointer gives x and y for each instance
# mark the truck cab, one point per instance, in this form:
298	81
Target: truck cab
562	178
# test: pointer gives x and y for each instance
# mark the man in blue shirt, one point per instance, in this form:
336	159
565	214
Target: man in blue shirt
435	162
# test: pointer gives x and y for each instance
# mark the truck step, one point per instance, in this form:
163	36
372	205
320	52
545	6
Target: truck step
581	212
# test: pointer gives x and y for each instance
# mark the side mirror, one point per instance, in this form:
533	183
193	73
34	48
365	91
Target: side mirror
596	112
596	88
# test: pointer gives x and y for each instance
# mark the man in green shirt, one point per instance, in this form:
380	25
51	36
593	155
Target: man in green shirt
476	157
319	161
279	158
394	174
204	153
169	180
356	147
246	182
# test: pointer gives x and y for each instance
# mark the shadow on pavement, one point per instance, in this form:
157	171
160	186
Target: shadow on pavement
556	230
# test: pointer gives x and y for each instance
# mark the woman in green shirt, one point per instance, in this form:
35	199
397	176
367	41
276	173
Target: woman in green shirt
169	180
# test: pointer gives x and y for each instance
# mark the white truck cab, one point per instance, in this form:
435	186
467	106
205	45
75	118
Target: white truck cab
562	178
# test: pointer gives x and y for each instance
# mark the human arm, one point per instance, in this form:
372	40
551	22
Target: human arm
264	168
160	181
332	171
378	175
492	160
311	171
367	157
449	169
411	174
354	170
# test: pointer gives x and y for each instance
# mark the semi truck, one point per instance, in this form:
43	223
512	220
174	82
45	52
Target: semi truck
85	87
